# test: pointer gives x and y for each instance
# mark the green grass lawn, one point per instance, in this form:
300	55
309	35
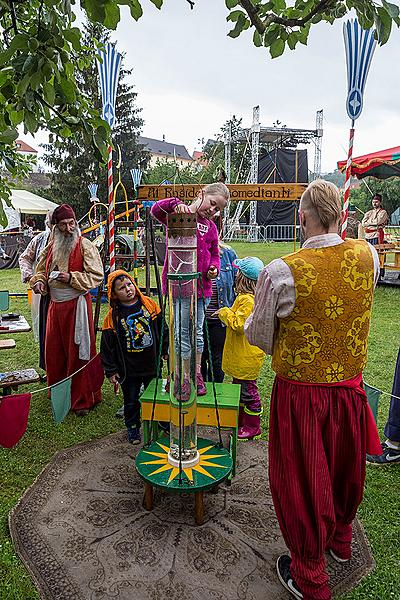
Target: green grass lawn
379	512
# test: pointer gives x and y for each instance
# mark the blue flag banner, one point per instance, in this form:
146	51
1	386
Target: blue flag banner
109	67
360	46
61	399
136	175
93	187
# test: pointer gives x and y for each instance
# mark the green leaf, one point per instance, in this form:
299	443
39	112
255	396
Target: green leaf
19	42
5	74
16	116
30	121
292	40
49	93
73	35
33	44
29	63
8	136
235	15
134	7
391	9
303	34
279	6
383	25
277	48
23	85
257	39
95	10
65	132
241	24
157	3
68	89
5	57
231	3
112	16
36	80
271	34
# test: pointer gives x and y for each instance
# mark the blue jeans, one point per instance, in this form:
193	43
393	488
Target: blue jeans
392	427
182	334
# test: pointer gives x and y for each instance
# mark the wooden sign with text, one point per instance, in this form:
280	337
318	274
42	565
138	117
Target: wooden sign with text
241	191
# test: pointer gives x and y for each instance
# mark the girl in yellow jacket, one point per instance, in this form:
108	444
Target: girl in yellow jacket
241	360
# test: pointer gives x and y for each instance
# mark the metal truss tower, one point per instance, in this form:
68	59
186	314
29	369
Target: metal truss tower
255	145
227	149
318	143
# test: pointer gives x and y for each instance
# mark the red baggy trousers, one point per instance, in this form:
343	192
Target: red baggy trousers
62	354
317	453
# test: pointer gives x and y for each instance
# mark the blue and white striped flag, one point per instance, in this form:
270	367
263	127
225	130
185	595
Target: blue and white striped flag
136	175
109	73
93	187
360	46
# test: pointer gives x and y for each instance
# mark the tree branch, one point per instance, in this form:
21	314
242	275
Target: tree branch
261	25
13	16
52	108
252	12
40	15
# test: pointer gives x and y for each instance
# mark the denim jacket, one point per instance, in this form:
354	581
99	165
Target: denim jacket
226	278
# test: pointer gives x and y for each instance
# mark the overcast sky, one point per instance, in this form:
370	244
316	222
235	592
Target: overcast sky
190	78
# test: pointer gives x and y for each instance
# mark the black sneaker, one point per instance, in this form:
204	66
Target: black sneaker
389	456
134	435
285	576
120	412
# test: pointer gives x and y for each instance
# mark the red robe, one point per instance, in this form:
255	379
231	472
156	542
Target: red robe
62	354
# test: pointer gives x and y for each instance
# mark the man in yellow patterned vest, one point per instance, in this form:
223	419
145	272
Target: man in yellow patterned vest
312	312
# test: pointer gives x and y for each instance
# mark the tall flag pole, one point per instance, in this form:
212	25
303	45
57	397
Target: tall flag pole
360	46
109	67
136	175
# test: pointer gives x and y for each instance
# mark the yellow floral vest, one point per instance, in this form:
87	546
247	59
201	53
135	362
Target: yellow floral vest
324	339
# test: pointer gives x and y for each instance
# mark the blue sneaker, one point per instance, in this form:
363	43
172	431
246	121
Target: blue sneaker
134	435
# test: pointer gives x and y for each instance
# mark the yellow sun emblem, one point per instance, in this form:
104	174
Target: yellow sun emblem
201	467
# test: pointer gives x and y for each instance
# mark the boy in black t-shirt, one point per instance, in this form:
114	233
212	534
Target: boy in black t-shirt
130	343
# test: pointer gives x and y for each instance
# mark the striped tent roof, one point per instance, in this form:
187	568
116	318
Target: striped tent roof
382	164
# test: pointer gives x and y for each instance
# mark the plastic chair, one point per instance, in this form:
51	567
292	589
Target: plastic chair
373	395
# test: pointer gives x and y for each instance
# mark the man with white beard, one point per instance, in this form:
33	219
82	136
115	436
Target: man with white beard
68	268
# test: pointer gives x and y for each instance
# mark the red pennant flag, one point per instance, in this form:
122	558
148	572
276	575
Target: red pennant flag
14	411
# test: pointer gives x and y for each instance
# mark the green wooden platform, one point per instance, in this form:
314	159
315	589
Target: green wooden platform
228	399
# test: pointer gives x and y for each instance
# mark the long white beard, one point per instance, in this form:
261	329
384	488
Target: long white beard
63	245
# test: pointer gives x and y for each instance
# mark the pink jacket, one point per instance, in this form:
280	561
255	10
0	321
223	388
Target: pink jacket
207	244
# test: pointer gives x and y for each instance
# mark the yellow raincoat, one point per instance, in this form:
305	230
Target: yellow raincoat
240	359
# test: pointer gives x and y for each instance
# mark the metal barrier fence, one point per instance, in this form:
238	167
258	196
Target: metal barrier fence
262	233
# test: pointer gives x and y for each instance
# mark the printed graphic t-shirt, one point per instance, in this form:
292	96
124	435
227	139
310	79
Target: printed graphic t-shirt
136	337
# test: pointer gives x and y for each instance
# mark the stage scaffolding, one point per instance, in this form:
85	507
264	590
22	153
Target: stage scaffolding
269	137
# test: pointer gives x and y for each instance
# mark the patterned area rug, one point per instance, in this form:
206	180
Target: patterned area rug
83	534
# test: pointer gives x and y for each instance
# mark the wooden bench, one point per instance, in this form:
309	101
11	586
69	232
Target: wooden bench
7	344
11	380
19	325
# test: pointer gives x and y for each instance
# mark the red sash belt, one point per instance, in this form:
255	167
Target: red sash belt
356	384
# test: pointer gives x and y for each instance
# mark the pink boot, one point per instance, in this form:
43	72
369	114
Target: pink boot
251	428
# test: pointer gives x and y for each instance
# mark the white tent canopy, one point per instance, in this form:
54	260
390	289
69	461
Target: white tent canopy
24	202
30	204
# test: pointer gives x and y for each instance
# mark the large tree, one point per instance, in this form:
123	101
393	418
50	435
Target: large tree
73	161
